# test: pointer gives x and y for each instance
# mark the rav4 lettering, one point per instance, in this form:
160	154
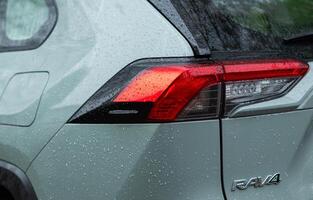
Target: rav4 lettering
257	182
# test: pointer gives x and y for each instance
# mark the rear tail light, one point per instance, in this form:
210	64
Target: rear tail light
165	90
170	88
248	82
239	93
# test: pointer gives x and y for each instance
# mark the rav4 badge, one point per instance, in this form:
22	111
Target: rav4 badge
257	182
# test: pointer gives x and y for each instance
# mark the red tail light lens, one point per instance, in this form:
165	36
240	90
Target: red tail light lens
169	91
149	84
263	69
170	88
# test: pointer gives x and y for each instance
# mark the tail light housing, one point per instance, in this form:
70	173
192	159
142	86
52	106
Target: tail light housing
166	90
248	82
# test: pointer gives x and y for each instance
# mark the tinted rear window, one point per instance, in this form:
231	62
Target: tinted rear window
241	25
281	18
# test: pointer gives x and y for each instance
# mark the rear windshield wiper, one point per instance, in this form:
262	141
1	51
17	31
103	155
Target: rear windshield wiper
300	38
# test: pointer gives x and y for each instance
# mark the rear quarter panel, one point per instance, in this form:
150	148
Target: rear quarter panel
91	42
129	162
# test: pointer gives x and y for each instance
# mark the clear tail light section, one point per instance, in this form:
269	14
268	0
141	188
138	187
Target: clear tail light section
248	82
166	90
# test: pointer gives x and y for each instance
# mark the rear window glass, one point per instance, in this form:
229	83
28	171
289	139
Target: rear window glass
281	18
237	26
25	24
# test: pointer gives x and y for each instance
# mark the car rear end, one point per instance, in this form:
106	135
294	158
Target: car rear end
206	99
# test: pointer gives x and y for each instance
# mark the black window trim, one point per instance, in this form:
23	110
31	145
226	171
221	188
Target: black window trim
35	41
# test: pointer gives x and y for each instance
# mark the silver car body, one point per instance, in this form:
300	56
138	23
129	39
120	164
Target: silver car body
91	42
